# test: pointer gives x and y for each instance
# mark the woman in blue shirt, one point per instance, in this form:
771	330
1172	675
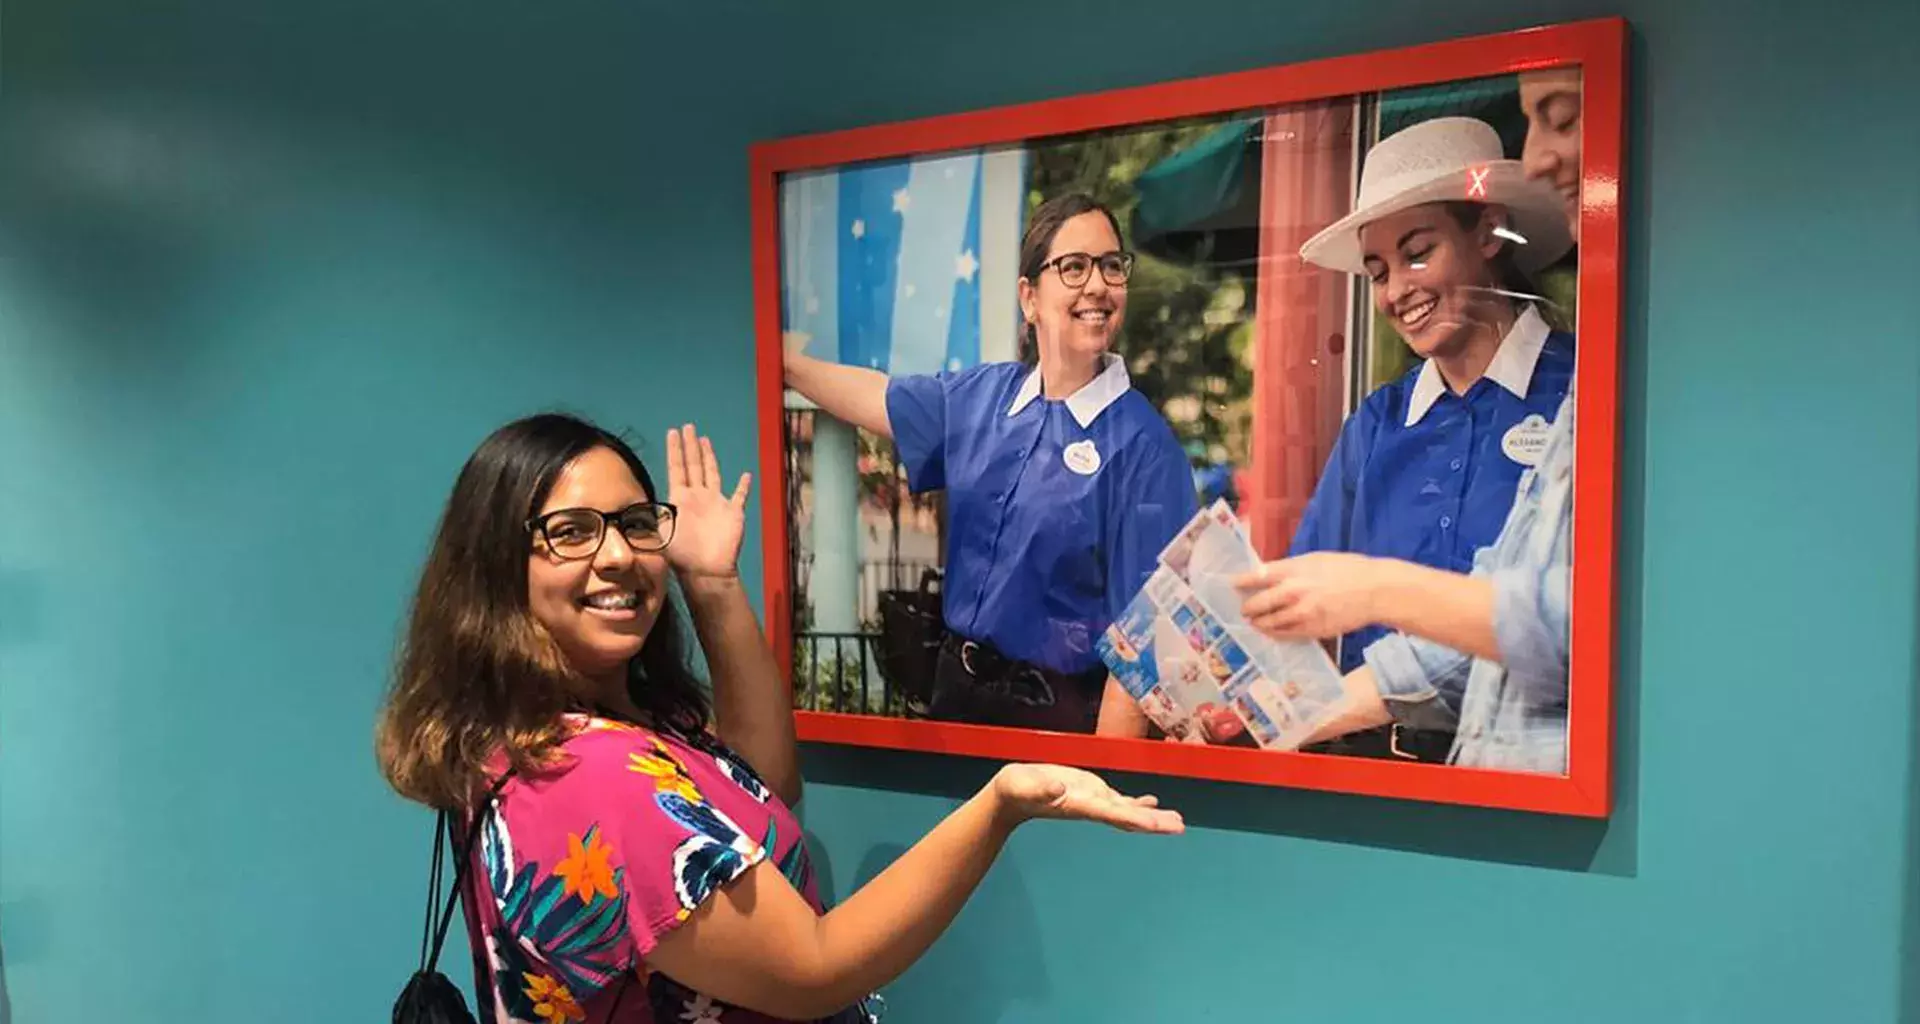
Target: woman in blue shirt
1063	484
1425	470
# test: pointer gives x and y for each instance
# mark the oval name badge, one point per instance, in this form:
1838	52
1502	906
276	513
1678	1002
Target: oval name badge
1082	457
1526	440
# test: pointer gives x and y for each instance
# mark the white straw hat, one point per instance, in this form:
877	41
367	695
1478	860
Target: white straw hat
1446	159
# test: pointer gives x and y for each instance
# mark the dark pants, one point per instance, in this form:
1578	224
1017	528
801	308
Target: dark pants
974	684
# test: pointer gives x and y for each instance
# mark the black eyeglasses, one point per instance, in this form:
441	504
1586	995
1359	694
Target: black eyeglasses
574	533
1076	267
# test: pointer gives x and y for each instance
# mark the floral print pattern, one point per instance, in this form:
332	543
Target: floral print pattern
667	771
551	1000
744	777
585	871
589	867
716	853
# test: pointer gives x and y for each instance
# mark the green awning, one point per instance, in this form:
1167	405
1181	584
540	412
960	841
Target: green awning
1202	204
1493	100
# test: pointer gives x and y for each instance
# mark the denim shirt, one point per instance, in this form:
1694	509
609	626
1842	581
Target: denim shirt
1510	714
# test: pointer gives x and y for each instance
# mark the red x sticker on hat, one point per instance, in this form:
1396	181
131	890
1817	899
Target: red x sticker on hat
1477	182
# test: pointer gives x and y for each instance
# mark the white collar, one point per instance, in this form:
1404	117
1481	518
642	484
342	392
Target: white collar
1087	403
1511	368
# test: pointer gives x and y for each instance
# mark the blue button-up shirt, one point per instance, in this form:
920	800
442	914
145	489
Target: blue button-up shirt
1057	509
1509	714
1427	476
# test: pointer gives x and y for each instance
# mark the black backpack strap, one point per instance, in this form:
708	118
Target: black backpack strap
434	863
442	836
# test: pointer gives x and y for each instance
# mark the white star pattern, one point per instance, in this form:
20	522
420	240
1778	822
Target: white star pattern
965	266
859	229
901	201
953	366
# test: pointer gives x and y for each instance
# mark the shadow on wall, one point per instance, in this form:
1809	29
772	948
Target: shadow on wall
6	1004
1909	1007
822	867
1495	836
1604	847
19	620
951	982
985	965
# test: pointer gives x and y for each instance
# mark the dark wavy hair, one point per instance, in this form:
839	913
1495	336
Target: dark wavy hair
1047	220
1507	275
477	675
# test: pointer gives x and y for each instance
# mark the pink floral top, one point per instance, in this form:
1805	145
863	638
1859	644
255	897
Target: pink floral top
582	871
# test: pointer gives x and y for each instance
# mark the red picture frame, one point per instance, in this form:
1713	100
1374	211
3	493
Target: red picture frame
1598	47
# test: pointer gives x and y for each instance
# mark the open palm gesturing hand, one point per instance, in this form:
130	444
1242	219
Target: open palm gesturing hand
1056	791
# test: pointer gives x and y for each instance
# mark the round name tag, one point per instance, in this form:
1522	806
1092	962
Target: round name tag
1082	457
1526	441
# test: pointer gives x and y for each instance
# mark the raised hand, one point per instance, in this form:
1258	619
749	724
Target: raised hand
1052	791
710	523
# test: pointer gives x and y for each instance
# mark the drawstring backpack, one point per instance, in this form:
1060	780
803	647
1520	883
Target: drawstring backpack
430	997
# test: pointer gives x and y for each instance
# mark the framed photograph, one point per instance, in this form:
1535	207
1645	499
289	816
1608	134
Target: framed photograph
1258	427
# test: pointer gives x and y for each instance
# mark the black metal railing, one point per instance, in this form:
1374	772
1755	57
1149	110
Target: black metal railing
838	672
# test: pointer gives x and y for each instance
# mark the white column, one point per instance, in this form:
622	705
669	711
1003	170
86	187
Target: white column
1003	206
834	585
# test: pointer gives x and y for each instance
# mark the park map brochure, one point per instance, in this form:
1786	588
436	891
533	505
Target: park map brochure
1183	651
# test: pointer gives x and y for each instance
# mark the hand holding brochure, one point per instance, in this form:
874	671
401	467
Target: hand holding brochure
1185	653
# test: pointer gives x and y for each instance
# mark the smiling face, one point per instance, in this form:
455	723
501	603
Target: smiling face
597	609
1430	276
1081	319
1551	100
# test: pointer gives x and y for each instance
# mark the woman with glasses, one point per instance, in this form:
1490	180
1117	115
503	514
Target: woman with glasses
1063	484
635	855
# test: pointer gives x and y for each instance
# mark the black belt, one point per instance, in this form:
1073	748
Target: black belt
994	674
1000	675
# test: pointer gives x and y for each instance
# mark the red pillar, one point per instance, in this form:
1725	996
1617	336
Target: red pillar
1300	317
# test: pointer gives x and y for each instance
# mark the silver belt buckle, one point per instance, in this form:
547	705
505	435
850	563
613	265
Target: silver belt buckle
967	647
1393	744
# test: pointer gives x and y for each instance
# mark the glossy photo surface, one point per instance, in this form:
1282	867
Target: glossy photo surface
1043	387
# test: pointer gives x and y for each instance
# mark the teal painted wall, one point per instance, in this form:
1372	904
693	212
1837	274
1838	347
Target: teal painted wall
267	273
